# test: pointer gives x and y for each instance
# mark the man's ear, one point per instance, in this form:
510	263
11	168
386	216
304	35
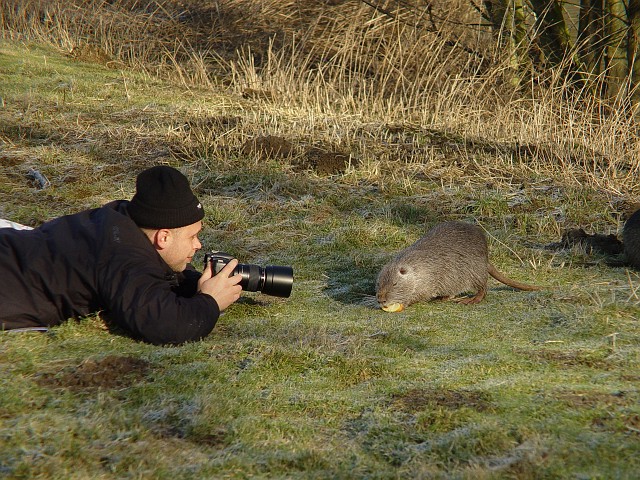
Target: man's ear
162	238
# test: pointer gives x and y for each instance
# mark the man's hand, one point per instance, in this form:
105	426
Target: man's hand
224	289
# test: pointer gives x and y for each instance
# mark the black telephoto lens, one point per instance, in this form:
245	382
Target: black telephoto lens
271	280
278	281
251	276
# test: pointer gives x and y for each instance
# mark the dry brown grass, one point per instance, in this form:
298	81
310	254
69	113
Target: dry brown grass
403	90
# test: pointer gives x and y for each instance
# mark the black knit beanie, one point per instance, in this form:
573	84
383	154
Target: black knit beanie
164	199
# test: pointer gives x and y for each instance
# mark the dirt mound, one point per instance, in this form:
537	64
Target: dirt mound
326	162
111	372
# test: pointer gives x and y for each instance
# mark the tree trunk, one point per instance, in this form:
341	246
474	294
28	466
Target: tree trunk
607	42
590	38
508	24
616	54
551	30
633	14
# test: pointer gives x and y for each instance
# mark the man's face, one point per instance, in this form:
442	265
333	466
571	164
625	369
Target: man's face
182	245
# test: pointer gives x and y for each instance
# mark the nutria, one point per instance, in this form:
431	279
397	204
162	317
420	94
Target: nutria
452	258
631	240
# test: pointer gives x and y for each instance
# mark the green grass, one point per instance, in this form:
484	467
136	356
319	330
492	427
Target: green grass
320	385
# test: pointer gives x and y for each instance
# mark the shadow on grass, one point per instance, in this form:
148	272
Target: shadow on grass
352	284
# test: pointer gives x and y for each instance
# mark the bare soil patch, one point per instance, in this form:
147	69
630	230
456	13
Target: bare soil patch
574	358
584	399
625	423
420	399
111	372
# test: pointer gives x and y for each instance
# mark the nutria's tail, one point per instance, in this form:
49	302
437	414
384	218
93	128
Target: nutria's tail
501	277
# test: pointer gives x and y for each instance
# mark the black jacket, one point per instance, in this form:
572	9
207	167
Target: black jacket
99	260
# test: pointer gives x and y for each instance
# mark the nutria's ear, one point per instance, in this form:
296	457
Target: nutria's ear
403	271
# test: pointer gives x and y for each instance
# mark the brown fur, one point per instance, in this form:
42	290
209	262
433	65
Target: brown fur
451	259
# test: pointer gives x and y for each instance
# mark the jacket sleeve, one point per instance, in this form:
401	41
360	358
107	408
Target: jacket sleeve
188	282
140	296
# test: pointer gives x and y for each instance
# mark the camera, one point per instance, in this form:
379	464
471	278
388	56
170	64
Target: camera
270	280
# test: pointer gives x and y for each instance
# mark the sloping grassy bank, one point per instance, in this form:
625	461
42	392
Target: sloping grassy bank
320	385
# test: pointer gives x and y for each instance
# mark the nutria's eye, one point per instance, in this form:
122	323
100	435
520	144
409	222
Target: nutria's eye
403	271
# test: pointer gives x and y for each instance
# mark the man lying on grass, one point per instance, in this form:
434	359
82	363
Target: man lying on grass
128	259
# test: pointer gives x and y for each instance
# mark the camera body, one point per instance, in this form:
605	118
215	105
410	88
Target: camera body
271	280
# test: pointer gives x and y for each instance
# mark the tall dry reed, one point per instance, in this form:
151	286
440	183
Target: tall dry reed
348	64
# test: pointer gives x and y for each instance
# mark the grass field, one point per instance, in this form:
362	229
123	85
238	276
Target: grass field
323	384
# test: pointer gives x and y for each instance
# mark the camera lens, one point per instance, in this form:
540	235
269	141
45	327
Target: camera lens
278	281
251	276
270	280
